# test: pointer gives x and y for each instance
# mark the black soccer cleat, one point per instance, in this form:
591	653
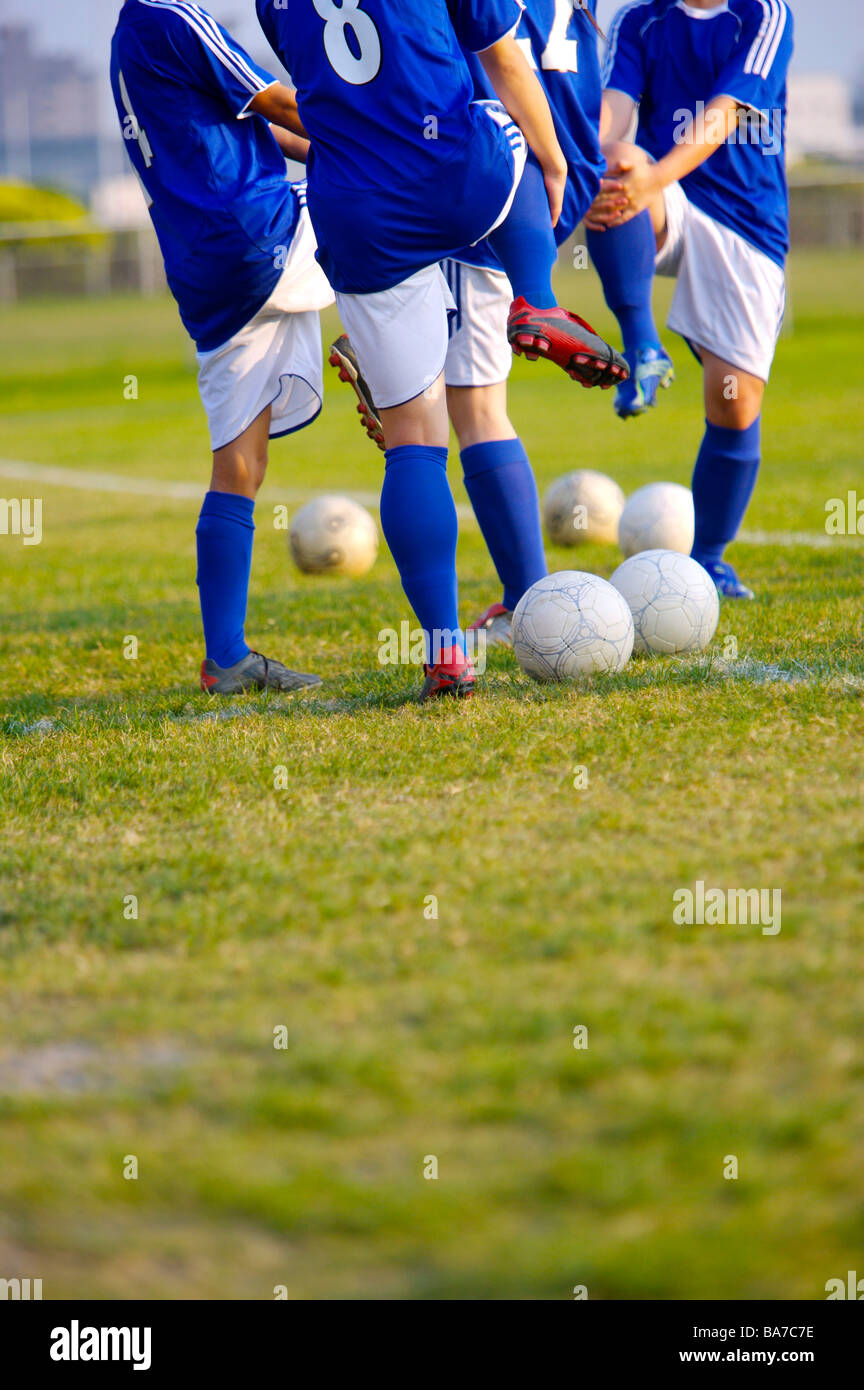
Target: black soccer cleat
344	359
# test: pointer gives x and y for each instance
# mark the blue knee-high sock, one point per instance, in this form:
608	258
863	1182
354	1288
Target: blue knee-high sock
525	242
500	482
418	518
624	257
723	483
224	535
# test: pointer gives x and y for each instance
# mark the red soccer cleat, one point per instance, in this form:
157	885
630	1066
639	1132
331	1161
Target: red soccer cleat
566	340
454	677
496	624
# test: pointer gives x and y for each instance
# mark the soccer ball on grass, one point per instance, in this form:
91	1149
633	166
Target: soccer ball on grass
333	535
658	516
673	601
571	624
583	506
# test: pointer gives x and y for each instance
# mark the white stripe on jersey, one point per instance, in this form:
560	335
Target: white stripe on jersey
757	42
210	23
772	52
613	37
764	48
227	56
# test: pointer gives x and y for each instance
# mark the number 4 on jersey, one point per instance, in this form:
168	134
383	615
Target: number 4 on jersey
560	53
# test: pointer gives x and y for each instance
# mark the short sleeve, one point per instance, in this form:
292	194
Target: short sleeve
481	23
757	66
215	61
624	68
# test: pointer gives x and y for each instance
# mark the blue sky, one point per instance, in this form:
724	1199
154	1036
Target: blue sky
830	33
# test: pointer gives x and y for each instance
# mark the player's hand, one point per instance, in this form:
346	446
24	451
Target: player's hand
555	179
608	206
638	183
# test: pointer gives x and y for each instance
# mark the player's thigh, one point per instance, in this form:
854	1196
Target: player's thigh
400	337
733	397
729	300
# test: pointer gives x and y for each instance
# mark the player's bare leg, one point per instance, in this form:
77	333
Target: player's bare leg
733	398
239	467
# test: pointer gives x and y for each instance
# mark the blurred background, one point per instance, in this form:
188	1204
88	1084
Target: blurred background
72	218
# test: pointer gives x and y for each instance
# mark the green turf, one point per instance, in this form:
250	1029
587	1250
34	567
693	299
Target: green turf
410	1036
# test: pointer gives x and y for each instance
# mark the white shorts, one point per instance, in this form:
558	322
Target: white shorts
479	353
276	358
400	335
730	297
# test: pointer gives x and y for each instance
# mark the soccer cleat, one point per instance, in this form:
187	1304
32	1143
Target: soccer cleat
727	581
344	359
650	369
497	624
566	340
454	678
254	672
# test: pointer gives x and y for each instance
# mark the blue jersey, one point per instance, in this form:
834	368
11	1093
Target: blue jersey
403	167
219	197
560	43
670	58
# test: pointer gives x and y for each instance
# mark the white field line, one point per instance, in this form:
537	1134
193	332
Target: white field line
86	480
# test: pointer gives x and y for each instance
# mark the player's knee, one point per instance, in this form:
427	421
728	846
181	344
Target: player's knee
733	414
478	417
617	150
239	470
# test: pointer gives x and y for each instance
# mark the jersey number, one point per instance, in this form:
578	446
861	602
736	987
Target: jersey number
560	53
360	61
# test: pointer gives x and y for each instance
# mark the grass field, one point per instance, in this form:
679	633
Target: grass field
306	909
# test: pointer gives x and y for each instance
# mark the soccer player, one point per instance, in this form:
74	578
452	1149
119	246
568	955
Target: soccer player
560	42
405	169
702	196
239	255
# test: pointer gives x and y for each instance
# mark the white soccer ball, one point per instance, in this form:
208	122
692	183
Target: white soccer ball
657	517
673	601
583	506
333	535
571	624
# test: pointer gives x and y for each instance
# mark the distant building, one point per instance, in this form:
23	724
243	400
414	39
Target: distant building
49	117
118	204
821	121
